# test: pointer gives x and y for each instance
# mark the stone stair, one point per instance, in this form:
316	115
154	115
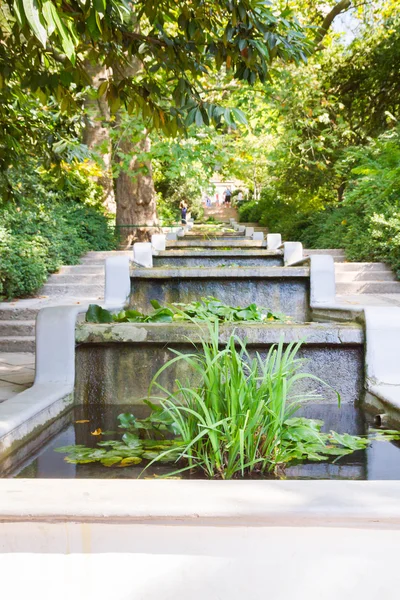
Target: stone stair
221	213
360	277
72	284
337	253
365	278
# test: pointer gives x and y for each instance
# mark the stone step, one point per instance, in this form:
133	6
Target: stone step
92	262
75	278
14	313
77	290
331	251
363	266
86	269
98	255
338	255
359	276
17	328
368	287
17	344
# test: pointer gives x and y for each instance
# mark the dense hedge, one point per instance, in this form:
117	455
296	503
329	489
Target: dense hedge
49	219
366	223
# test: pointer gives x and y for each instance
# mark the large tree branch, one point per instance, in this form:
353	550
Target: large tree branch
340	7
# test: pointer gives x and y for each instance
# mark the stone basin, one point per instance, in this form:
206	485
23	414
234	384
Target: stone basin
116	362
218	258
281	289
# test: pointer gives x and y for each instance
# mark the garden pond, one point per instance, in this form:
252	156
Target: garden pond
379	461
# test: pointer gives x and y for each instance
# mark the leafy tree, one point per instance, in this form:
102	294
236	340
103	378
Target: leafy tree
156	55
315	112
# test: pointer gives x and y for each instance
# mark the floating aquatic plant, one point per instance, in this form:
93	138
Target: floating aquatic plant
208	309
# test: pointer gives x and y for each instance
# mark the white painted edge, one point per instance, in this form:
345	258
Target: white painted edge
382	332
55	360
322	280
374	504
274	241
143	254
117	280
158	242
248	231
292	253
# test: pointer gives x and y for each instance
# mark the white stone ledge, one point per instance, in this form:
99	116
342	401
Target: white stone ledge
374	504
51	393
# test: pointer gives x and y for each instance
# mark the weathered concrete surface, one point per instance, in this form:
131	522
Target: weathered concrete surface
117	366
218	258
280	289
225	236
235	272
255	334
200	539
217	243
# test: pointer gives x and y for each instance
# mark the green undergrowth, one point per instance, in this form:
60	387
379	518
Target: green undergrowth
50	220
208	309
239	420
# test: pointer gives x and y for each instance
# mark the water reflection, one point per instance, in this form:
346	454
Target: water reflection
380	461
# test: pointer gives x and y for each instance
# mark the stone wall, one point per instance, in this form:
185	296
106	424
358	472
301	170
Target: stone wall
283	290
115	363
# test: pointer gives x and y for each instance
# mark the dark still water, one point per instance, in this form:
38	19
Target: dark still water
381	460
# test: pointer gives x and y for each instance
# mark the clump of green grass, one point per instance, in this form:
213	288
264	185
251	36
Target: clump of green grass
240	418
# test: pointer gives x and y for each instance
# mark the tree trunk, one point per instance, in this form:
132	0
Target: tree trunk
135	195
340	191
97	133
134	187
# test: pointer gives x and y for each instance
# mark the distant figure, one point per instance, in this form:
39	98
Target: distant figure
184	208
228	196
240	196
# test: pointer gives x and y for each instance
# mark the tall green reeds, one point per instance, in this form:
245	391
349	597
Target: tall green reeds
238	419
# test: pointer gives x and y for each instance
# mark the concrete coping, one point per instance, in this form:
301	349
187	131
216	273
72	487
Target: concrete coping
209	252
255	334
374	504
232	243
230	272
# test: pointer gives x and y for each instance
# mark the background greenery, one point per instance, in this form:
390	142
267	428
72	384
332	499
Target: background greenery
332	147
53	218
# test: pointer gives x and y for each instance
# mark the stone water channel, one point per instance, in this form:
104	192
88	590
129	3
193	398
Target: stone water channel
115	363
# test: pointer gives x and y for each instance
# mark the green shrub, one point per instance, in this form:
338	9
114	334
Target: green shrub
51	220
367	223
250	212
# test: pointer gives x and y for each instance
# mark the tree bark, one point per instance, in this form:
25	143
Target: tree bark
340	7
97	132
135	196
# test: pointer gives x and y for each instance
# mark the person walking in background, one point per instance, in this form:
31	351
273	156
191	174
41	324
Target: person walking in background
184	208
228	196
